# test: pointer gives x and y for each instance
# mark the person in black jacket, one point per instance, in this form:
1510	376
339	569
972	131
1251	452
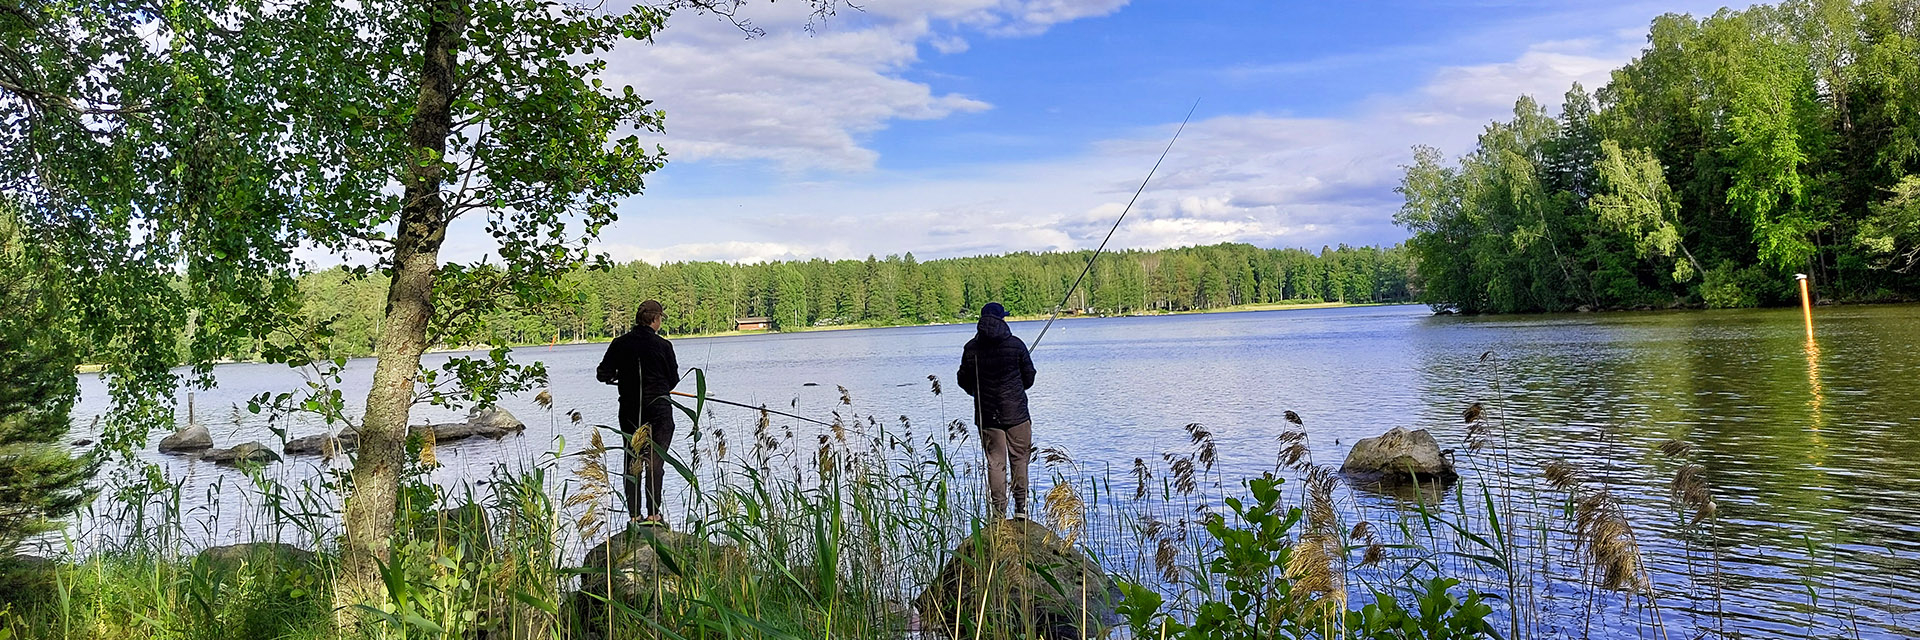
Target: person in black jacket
641	364
996	370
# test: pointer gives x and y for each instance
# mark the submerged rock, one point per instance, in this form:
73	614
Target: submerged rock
192	437
253	452
492	424
1397	456
1018	579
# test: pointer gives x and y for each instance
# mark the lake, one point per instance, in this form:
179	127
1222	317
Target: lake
1812	449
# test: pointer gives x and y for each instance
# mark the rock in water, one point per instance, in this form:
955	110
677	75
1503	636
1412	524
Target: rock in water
492	424
192	437
253	452
1028	582
629	566
1397	456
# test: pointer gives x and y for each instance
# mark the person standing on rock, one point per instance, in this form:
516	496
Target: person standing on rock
997	370
641	364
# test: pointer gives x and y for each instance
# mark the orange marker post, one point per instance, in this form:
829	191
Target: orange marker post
1806	303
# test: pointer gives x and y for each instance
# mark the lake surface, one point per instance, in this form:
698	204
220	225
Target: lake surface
1812	449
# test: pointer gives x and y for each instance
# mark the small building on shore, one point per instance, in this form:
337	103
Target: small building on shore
756	323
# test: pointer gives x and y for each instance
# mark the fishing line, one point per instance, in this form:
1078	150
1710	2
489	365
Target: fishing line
743	405
1116	227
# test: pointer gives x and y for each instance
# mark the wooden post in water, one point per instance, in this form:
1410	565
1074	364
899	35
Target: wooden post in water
1806	303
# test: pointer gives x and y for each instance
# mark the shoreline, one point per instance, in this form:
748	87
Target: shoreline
1245	308
95	368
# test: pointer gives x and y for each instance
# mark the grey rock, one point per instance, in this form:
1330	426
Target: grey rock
1035	581
27	579
252	452
628	567
450	527
492	424
192	437
1397	456
235	555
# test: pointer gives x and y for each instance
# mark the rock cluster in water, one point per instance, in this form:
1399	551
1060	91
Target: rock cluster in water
492	424
1018	575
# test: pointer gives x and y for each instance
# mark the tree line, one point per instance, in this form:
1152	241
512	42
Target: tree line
706	297
1733	153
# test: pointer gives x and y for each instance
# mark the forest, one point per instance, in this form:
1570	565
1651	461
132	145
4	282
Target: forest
706	297
1735	152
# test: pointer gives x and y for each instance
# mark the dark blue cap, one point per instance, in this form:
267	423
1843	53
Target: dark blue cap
993	309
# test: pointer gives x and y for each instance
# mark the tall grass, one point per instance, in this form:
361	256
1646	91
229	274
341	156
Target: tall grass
836	533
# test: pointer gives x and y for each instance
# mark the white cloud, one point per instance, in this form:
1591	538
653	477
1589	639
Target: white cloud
1272	180
805	100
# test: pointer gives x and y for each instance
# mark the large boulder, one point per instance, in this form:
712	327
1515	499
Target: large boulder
492	424
1017	579
448	528
28	580
192	437
628	567
277	554
1398	456
251	452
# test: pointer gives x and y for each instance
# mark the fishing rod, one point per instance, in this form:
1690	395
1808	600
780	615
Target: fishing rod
1116	227
748	406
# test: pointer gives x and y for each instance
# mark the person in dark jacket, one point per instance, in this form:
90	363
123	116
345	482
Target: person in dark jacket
996	370
641	364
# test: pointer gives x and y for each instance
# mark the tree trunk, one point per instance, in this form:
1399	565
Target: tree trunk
402	338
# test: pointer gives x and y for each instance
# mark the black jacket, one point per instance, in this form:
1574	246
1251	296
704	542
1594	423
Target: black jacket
996	370
642	365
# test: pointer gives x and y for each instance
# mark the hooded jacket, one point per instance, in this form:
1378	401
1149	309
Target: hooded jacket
996	370
641	364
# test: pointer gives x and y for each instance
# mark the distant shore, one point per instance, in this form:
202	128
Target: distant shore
1244	308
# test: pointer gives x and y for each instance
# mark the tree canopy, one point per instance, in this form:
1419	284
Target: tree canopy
1735	151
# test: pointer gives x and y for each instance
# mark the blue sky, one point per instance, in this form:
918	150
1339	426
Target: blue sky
957	127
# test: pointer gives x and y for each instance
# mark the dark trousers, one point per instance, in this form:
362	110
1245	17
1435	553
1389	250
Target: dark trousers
649	433
1010	445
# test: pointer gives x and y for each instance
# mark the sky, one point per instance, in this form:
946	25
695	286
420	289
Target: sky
964	127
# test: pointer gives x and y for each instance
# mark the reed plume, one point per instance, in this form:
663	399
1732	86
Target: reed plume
1602	530
544	399
594	488
824	458
1055	456
936	383
1166	558
428	458
1676	448
1563	475
1066	511
846	399
1689	489
1183	477
1473	413
1203	441
1141	474
1294	418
